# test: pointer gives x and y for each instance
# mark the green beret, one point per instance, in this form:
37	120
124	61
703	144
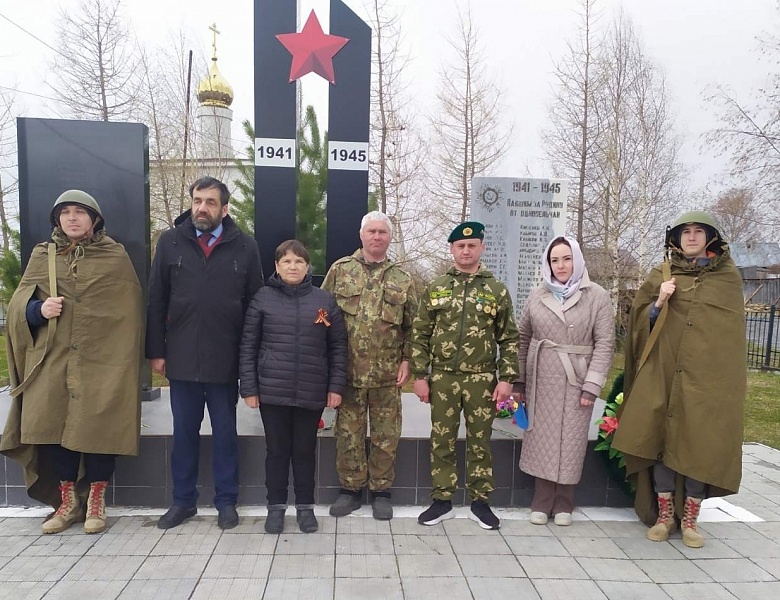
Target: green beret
470	230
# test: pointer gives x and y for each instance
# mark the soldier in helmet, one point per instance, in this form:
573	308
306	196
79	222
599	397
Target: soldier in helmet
376	297
681	421
74	338
465	316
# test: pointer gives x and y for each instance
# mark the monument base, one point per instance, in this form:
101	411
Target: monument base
145	480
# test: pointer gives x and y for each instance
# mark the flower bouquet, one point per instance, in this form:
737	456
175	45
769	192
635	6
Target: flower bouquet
506	408
608	424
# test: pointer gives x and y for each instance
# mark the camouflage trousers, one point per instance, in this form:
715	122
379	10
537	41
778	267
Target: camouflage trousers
381	409
471	393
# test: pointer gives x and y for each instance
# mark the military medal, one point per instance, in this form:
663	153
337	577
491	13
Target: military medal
493	312
479	306
434	301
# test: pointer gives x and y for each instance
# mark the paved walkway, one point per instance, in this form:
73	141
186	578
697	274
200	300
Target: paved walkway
604	554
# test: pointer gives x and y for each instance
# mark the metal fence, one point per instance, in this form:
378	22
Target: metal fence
763	337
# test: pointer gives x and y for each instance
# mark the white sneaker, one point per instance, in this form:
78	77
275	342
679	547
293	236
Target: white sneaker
538	518
562	519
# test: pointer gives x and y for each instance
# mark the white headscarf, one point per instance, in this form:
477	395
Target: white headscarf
562	291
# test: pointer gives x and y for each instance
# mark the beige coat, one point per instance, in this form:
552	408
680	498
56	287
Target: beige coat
86	396
583	328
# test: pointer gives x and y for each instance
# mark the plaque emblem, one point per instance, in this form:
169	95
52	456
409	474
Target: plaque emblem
490	196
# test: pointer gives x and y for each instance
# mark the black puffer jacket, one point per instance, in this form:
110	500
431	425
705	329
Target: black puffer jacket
286	357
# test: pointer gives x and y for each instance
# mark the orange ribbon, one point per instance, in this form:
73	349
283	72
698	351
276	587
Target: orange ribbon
322	317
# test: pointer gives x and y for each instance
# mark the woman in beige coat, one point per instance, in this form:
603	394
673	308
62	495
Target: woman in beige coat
567	336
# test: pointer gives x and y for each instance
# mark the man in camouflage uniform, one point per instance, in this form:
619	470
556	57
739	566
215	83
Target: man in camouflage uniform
378	304
463	317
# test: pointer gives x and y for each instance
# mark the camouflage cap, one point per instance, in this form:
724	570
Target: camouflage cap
467	231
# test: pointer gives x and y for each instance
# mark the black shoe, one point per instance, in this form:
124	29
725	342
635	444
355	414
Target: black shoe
381	506
307	522
228	517
274	522
347	502
175	516
481	513
439	511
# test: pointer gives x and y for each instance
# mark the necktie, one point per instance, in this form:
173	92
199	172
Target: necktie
203	242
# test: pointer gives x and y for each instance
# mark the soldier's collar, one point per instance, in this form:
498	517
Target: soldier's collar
361	257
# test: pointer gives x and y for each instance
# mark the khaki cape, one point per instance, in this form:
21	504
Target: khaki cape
685	405
86	395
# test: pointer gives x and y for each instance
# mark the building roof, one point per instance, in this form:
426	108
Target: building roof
755	254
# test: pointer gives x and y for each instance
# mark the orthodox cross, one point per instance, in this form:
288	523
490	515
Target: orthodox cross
215	31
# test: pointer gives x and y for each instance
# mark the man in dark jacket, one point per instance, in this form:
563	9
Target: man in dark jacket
205	272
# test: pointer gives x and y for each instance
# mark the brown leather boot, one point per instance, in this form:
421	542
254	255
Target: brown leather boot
665	525
68	512
96	508
690	533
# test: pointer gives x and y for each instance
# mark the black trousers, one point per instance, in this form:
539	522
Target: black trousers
97	467
290	437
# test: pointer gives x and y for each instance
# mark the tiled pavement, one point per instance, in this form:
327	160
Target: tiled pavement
604	554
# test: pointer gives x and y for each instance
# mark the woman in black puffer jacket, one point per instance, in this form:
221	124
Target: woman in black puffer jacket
292	364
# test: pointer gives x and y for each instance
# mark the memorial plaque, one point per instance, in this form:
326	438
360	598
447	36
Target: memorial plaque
521	216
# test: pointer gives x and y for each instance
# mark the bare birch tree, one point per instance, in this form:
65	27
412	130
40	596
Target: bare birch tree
10	255
97	63
612	131
468	135
637	171
397	148
8	180
749	137
163	108
737	216
572	130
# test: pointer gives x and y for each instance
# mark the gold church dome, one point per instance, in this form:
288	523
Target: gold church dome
214	90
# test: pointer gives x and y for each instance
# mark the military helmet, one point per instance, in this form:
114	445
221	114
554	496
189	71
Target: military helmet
695	216
82	199
714	239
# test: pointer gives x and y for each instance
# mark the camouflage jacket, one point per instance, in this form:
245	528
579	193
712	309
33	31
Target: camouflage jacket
378	304
462	318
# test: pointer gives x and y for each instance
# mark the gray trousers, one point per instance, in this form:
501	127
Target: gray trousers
663	481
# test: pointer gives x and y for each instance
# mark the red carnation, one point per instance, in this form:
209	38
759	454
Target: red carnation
609	425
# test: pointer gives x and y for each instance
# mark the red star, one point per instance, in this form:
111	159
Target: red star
312	50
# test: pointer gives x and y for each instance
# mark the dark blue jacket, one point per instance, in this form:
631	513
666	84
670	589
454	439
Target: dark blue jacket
287	357
195	309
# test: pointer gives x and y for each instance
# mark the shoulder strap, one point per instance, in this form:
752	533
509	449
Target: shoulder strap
659	322
52	251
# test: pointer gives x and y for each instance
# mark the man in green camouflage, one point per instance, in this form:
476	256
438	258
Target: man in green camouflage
463	317
378	304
